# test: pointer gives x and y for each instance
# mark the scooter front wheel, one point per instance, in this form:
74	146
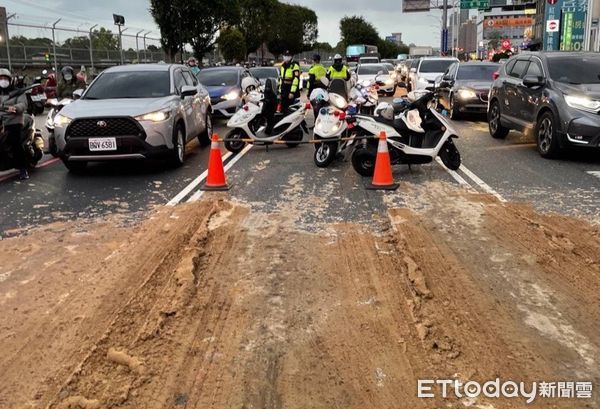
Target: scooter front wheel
325	154
363	161
233	142
450	156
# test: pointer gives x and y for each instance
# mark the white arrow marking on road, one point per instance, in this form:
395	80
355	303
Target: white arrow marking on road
594	173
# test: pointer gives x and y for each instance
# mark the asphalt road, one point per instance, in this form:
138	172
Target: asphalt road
510	169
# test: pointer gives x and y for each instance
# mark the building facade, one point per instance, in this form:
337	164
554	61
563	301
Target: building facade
395	38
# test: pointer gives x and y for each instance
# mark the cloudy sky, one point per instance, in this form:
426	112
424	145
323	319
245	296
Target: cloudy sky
386	15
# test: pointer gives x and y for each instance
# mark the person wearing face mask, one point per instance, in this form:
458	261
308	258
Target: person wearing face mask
338	69
289	81
193	64
13	106
67	83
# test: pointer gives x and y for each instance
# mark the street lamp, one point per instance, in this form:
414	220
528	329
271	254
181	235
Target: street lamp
137	47
92	48
120	22
8	41
145	49
54	45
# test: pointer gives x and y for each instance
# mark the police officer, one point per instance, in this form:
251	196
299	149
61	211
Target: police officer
315	73
289	81
338	69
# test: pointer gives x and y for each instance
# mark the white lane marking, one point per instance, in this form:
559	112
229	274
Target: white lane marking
594	173
486	188
455	175
232	162
186	190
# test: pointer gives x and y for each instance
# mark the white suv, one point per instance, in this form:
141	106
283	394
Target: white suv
424	74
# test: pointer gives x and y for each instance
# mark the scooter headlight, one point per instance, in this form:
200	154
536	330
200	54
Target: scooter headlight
337	101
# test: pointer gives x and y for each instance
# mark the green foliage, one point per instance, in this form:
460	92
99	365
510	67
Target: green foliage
294	29
387	49
232	45
102	39
255	21
356	30
322	47
32	42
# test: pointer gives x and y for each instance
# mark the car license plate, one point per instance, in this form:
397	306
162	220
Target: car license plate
37	98
102	144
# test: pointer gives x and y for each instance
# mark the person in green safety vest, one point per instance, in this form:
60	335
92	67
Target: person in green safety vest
289	81
315	73
338	69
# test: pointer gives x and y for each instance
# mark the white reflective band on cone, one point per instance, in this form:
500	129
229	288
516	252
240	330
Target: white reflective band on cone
382	148
214	145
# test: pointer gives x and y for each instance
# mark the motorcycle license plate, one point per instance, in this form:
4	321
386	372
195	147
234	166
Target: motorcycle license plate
37	98
102	144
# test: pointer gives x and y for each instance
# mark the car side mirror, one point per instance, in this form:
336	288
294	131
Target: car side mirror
188	91
380	73
53	102
531	81
413	70
77	93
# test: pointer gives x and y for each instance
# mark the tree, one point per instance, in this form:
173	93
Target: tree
102	39
232	45
194	22
387	49
294	29
256	22
32	42
322	47
356	30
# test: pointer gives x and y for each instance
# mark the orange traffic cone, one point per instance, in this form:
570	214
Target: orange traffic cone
382	178
216	179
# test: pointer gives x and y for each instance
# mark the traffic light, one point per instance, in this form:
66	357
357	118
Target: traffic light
47	57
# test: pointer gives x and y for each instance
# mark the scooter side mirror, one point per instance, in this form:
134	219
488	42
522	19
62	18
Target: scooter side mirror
53	102
77	93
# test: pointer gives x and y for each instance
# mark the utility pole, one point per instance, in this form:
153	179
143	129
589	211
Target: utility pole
120	22
137	47
92	48
54	45
8	42
444	48
145	49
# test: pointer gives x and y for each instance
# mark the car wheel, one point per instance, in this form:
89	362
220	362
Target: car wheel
496	129
547	139
205	137
177	154
453	109
75	167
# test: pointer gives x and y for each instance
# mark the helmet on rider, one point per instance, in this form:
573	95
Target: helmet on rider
317	58
385	110
192	62
337	62
67	73
287	56
5	78
249	84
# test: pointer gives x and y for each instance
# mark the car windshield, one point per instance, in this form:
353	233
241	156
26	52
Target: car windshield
368	60
435	65
369	69
477	72
264	72
575	70
218	78
389	67
130	84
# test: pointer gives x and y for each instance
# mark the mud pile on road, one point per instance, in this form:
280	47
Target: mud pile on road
217	305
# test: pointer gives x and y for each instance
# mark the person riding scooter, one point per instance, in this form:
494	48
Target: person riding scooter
12	120
68	83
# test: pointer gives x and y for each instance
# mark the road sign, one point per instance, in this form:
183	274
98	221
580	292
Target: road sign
474	4
506	44
552	26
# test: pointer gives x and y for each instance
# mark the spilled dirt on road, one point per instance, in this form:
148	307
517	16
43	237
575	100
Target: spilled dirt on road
218	305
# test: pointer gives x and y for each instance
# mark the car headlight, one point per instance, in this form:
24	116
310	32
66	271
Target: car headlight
337	101
389	82
466	94
157	116
231	96
583	103
61	120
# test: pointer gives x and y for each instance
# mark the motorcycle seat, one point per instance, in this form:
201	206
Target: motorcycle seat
396	123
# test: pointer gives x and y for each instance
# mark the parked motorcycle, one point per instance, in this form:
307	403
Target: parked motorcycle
55	107
259	120
365	95
36	96
330	124
417	136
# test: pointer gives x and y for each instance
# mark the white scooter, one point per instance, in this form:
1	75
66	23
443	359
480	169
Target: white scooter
417	136
56	106
330	125
258	120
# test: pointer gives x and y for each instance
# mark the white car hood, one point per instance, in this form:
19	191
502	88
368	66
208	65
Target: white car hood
88	108
363	77
430	76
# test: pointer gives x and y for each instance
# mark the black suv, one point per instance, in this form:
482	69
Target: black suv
556	94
